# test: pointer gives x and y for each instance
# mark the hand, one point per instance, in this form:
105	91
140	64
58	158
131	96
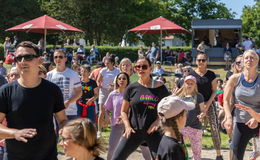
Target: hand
201	116
128	132
88	101
119	120
66	104
245	108
154	126
252	123
23	134
227	123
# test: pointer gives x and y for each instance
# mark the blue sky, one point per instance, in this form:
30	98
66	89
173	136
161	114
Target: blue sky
237	5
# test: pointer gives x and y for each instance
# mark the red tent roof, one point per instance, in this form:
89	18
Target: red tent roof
156	25
38	25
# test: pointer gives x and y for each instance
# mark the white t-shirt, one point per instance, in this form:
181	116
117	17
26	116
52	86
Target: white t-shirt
67	81
108	76
247	44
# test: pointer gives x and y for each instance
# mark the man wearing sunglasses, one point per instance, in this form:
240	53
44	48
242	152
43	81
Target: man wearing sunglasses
28	104
69	82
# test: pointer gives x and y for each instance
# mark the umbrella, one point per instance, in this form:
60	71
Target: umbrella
44	25
159	25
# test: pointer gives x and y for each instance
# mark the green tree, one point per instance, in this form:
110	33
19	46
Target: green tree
14	12
251	22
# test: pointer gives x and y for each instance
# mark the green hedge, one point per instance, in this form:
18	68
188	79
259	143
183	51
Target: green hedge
121	52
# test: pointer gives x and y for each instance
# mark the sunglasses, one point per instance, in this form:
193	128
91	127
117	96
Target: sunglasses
201	60
238	63
186	70
122	79
144	67
27	57
60	57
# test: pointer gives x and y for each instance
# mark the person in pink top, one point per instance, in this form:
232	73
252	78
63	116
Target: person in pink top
113	104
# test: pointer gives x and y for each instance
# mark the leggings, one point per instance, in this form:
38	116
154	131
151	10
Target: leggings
214	126
195	137
128	145
241	136
117	131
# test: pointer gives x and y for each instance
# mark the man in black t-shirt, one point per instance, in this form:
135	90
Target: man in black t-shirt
28	104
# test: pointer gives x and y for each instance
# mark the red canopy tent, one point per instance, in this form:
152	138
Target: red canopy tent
159	25
44	25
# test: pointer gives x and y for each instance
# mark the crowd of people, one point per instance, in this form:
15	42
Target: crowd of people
41	105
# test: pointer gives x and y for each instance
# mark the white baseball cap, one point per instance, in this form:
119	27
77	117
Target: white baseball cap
172	105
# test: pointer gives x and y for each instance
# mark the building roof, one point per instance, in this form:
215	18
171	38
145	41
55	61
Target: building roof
216	24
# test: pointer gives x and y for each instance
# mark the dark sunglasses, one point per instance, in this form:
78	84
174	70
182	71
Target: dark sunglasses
201	60
144	67
122	79
60	57
238	62
27	57
186	70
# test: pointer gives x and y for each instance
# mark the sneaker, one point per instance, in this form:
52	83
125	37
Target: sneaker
99	134
219	157
253	155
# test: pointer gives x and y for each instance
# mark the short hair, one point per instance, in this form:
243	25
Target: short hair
86	67
29	44
61	51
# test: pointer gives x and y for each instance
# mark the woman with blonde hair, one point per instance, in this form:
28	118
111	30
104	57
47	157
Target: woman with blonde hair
193	128
126	66
244	89
236	67
79	140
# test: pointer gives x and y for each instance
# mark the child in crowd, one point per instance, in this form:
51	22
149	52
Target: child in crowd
79	140
86	106
172	112
193	128
113	105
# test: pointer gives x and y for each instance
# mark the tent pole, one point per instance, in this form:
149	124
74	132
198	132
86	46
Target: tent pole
45	33
161	45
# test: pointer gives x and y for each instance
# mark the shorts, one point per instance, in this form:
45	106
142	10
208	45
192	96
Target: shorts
227	57
103	94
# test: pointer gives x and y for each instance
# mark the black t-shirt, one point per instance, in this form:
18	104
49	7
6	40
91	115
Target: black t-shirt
88	90
204	83
170	149
32	108
143	102
192	119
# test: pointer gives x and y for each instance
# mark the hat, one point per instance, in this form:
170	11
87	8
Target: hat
158	62
1	61
173	105
191	78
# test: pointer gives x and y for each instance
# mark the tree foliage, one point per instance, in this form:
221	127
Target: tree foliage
14	12
106	22
251	22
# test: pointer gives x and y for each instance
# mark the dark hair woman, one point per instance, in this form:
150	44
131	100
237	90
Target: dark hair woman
141	126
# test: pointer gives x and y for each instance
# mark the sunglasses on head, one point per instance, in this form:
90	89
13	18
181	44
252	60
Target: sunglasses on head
144	67
60	57
186	70
27	57
201	60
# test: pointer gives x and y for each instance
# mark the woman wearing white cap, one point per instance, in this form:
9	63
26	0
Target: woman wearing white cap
193	129
172	111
